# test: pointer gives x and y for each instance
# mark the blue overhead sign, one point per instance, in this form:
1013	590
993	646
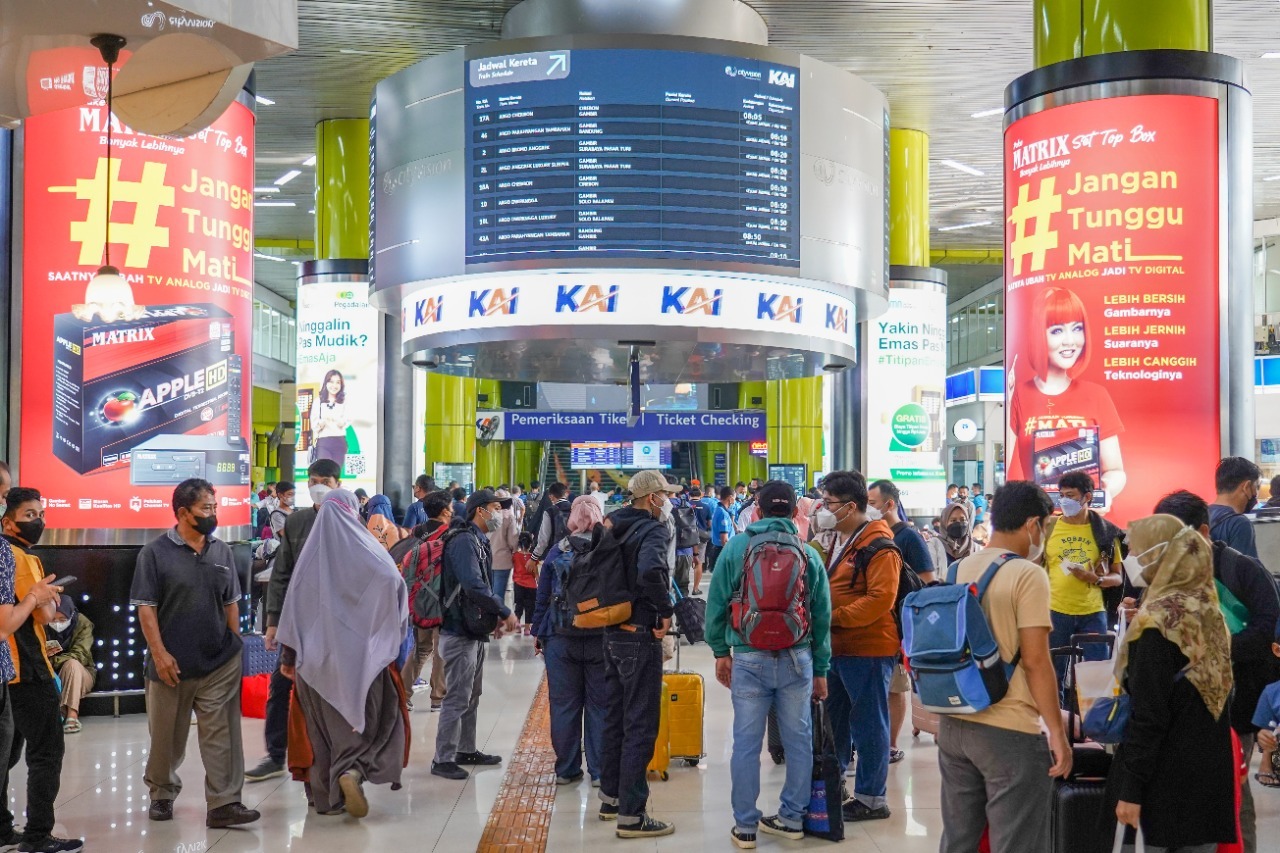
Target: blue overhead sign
612	426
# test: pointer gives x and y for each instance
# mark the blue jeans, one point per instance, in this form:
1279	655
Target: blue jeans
500	579
1064	625
859	707
576	689
761	681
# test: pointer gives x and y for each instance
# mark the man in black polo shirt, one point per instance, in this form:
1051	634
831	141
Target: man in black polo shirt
188	597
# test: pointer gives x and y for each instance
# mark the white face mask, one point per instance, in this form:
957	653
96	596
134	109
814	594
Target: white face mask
1133	566
873	514
318	492
826	519
666	510
60	626
1037	550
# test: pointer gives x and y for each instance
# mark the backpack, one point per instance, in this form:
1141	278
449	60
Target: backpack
908	580
422	569
768	612
560	613
686	526
263	523
601	585
951	652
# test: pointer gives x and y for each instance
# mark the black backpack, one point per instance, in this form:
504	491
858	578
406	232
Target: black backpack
908	580
686	526
601	583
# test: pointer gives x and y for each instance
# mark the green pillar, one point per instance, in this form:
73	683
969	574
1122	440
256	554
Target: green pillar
493	460
342	189
451	421
908	198
707	451
742	465
794	412
1069	29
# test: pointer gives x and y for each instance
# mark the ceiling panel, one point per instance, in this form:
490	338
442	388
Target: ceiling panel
938	61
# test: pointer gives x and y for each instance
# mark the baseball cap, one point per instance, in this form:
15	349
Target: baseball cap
650	482
483	497
773	497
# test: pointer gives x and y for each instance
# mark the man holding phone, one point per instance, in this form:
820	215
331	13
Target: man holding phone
33	695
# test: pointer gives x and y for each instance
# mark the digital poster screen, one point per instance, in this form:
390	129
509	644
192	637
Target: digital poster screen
1112	292
592	455
635	154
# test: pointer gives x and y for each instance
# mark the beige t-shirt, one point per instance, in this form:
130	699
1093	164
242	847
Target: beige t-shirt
1017	598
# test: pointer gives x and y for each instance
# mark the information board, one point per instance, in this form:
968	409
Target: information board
796	475
591	455
632	154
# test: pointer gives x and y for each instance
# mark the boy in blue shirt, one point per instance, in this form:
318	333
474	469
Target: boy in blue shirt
1267	719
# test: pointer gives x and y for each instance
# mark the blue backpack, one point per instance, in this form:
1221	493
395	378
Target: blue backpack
953	657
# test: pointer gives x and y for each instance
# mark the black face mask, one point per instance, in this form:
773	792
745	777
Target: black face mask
957	530
30	531
206	524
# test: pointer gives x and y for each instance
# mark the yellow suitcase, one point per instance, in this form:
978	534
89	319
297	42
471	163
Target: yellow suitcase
687	697
661	761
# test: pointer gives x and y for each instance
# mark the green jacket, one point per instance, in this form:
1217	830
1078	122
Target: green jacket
727	579
81	648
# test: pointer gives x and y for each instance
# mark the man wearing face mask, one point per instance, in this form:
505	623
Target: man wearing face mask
1236	482
322	477
472	611
633	660
33	695
1082	557
863	565
187	592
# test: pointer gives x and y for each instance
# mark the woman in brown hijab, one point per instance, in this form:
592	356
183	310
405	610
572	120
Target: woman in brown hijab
1173	772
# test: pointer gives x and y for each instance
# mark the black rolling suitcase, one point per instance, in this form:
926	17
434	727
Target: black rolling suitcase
1079	800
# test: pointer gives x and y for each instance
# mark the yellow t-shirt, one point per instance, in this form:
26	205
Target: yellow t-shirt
1017	598
1067	593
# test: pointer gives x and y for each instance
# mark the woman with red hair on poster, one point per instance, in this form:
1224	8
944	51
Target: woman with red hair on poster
1058	422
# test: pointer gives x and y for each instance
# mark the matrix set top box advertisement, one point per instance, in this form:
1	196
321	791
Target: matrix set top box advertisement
128	391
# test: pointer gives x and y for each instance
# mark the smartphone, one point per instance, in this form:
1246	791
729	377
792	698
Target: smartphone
63	582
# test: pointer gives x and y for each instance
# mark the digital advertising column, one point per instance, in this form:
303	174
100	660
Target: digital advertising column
128	391
1122	239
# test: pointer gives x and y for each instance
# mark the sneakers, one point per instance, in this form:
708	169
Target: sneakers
352	786
743	840
266	769
436	706
50	844
449	770
856	810
478	759
10	840
896	755
569	780
775	826
646	828
232	814
161	810
608	812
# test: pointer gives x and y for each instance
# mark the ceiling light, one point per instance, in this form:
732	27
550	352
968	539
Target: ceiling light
1271	178
1271	54
960	167
266	102
310	161
995	111
267	257
275	204
287	177
352	52
266	189
966	225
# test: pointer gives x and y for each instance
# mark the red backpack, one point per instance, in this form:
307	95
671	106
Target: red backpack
422	571
768	612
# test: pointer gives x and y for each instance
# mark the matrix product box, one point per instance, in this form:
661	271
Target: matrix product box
167	460
116	385
1058	452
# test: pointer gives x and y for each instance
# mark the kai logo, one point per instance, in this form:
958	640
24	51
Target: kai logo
692	300
837	318
782	78
582	298
488	303
780	309
428	311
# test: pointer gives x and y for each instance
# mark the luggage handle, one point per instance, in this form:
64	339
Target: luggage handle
1140	845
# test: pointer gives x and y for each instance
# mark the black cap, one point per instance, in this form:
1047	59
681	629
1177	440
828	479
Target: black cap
774	497
483	497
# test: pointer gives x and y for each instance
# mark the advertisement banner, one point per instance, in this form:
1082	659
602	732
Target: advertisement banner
1112	283
612	426
906	373
339	349
129	389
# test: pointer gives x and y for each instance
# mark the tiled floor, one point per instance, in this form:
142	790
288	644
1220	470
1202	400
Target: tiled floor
103	797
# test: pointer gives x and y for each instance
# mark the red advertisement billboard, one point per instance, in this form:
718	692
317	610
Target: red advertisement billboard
129	389
1112	283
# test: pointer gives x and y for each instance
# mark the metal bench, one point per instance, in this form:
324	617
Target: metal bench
114	696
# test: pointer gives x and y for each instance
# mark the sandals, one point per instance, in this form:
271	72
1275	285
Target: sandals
896	755
72	727
1268	780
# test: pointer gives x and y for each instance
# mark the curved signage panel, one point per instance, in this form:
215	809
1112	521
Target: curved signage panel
1113	284
130	390
604	181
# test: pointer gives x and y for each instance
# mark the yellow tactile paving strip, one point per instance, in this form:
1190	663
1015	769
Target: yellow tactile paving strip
521	816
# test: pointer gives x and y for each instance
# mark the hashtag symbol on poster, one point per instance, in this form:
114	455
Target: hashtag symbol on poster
1039	211
147	196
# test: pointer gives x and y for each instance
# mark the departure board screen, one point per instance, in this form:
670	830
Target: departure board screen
630	154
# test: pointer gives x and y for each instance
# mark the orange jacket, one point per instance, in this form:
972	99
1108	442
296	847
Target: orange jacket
862	607
29	572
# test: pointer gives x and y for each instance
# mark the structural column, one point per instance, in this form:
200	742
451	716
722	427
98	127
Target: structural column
794	414
1070	29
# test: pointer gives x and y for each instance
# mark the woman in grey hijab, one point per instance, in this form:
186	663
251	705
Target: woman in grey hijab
340	632
957	531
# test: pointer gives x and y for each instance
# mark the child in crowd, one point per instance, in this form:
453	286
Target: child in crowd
525	582
1267	718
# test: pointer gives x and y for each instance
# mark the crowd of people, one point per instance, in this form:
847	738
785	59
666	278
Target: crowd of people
359	606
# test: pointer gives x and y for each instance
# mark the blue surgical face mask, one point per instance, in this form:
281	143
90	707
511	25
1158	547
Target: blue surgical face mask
1070	508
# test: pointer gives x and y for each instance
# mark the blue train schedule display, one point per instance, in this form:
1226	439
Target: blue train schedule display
633	154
